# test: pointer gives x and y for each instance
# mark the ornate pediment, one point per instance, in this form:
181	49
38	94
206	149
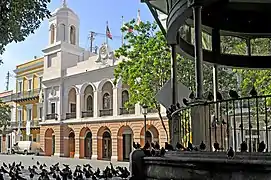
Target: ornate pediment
105	55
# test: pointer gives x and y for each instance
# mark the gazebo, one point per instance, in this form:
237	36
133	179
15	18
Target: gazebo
246	19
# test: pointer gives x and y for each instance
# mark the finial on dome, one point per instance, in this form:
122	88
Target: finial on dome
64	3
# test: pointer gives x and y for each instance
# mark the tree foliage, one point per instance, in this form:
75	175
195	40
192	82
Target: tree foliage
19	18
146	67
5	116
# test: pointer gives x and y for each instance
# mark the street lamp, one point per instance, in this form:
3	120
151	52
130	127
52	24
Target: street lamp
145	112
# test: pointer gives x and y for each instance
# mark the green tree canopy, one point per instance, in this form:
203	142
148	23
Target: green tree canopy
5	116
146	65
19	18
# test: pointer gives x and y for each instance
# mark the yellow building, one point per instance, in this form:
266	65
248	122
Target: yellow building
28	109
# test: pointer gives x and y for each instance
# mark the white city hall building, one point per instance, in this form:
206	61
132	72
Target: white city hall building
83	111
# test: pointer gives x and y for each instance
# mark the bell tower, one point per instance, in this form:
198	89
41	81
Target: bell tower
64	26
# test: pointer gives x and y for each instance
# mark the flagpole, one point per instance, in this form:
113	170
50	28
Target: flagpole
122	33
106	40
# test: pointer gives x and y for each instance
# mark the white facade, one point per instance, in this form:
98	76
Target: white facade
78	84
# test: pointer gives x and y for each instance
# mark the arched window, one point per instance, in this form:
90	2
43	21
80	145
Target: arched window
72	35
89	103
125	97
52	31
106	101
62	32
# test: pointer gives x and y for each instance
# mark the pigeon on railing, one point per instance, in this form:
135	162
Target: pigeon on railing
233	94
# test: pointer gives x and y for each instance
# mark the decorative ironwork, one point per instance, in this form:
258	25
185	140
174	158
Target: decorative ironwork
124	110
236	122
87	114
51	116
26	95
22	124
106	112
71	115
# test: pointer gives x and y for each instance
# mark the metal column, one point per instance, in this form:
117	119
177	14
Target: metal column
174	74
174	124
216	53
198	52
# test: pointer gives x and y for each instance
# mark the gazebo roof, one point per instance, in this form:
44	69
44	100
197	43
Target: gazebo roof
241	18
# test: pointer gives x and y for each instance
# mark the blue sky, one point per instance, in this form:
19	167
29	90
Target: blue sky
93	16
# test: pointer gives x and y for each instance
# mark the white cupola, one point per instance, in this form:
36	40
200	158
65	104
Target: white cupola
64	26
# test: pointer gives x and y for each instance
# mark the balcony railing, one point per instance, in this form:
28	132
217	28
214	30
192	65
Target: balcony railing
87	114
34	93
22	124
124	110
152	111
106	112
51	116
71	115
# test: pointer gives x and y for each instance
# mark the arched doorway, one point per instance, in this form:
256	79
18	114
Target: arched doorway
85	143
72	144
152	135
107	146
88	145
49	142
125	141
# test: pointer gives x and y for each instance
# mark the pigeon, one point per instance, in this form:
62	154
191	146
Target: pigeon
156	146
168	147
190	146
162	152
210	96
243	146
202	146
253	92
219	96
261	147
230	153
233	94
216	146
179	146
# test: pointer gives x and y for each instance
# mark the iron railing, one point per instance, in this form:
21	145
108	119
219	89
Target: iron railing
87	114
106	112
153	110
232	123
124	110
22	124
71	115
34	93
51	116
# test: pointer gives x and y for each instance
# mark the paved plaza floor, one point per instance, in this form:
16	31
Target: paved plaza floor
29	160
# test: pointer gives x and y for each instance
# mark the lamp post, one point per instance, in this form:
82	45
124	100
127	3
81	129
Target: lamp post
145	112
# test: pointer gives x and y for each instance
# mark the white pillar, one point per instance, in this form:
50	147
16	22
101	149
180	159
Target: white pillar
116	101
78	105
96	103
45	104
